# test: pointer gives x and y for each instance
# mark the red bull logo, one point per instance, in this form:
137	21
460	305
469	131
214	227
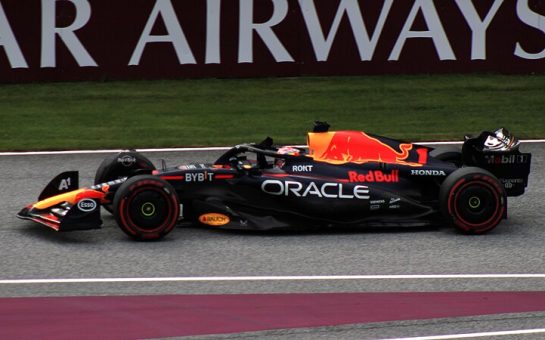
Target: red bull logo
357	147
374	176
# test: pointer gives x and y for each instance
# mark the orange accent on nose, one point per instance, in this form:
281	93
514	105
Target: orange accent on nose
88	193
71	197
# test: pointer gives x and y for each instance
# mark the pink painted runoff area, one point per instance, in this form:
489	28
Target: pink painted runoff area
127	317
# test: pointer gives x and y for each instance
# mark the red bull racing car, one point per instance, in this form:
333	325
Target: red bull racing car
343	178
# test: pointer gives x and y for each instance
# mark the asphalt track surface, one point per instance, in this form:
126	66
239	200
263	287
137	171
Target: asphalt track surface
30	251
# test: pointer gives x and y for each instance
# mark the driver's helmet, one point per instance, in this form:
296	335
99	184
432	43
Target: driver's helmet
289	150
501	140
286	150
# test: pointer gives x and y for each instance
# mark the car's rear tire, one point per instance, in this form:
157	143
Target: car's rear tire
146	207
472	200
120	165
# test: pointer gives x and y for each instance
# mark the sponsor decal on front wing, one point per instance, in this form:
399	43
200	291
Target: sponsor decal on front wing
87	205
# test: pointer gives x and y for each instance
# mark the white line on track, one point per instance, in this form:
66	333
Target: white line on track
274	278
475	335
215	148
85	152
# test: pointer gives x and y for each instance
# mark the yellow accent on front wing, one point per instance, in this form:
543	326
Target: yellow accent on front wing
69	197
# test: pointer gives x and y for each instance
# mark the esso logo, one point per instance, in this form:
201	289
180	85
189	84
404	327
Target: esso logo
87	205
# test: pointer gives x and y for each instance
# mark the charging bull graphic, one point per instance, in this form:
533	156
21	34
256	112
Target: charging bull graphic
356	147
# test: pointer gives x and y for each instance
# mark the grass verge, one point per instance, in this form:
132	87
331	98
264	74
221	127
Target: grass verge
225	112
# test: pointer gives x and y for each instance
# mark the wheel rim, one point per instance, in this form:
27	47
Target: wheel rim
149	209
474	202
476	205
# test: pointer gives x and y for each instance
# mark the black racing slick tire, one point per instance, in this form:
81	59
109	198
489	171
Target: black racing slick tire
146	207
473	200
120	165
451	154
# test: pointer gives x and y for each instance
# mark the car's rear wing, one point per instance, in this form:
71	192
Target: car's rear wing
498	152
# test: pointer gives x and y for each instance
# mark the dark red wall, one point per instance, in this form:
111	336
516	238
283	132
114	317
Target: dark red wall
114	28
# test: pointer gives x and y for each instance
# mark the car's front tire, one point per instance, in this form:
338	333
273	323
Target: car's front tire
473	200
146	207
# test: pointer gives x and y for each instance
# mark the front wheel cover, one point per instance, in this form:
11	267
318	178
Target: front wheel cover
119	165
473	200
146	208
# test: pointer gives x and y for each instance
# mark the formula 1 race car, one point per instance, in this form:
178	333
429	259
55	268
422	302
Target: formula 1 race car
343	178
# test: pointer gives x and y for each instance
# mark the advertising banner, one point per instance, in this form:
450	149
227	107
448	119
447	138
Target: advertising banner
54	40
